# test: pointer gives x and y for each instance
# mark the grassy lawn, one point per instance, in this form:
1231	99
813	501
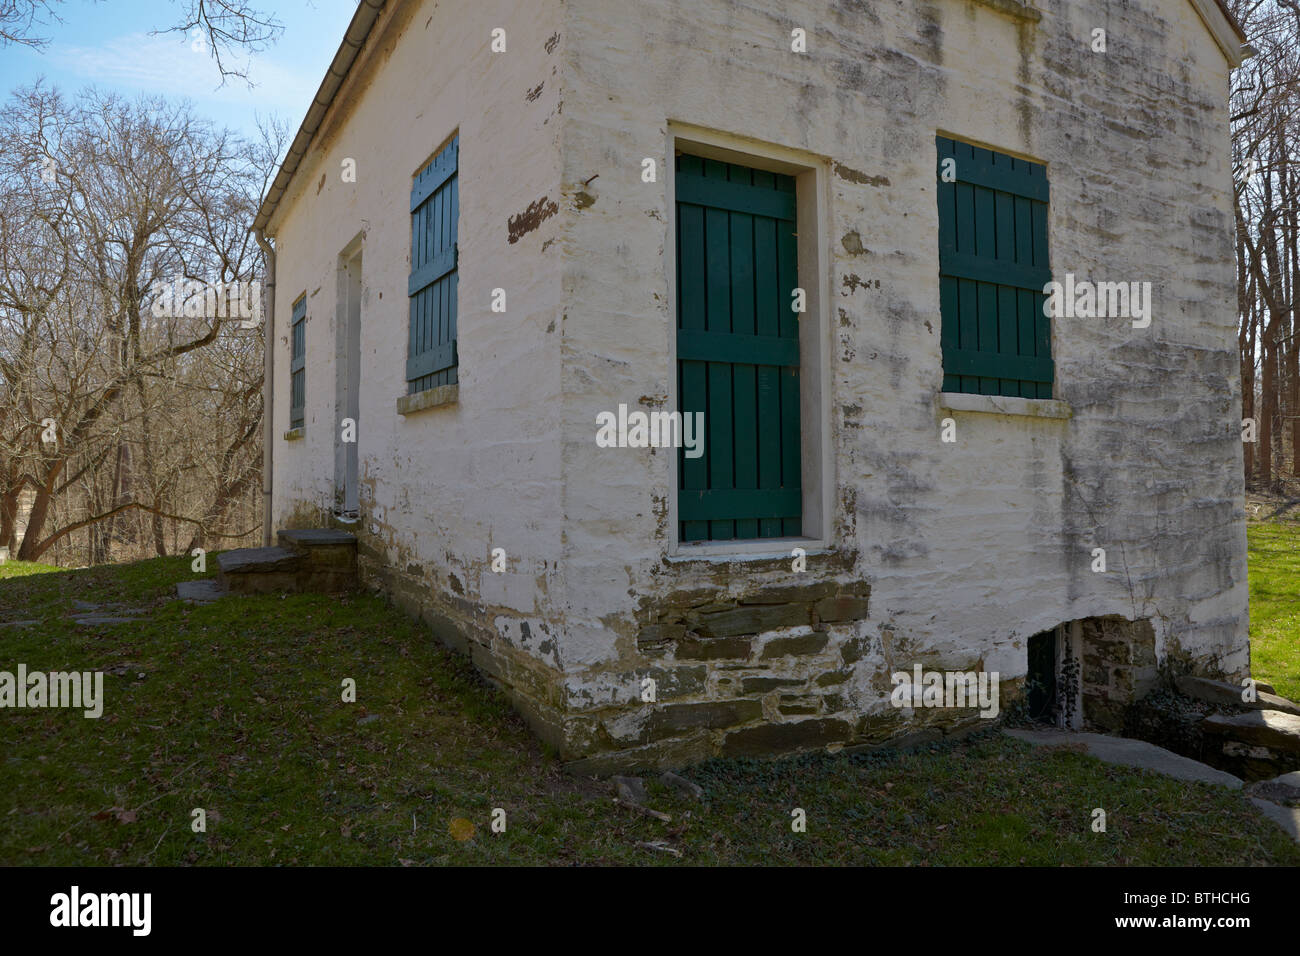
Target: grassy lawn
1275	605
235	707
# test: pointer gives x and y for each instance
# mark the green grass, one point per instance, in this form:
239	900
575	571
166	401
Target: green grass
235	707
1275	605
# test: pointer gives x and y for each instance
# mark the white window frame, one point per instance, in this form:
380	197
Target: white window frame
812	190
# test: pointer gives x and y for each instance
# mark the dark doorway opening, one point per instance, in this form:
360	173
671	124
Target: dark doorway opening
1040	682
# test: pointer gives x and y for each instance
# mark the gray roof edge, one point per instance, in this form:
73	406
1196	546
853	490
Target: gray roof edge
368	12
354	39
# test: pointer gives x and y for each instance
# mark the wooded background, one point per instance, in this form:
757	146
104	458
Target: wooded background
1265	111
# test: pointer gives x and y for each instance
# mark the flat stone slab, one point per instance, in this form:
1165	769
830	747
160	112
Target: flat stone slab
315	537
1284	789
94	615
683	786
1125	752
1263	728
200	592
1288	818
1226	695
254	560
629	789
18	623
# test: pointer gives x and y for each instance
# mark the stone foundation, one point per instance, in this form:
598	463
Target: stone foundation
1119	667
771	671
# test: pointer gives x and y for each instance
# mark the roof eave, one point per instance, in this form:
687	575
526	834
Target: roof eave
1214	14
354	39
1225	29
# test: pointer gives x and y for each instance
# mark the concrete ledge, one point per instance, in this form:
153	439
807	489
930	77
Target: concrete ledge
294	434
1288	818
429	398
1005	405
298	538
1125	752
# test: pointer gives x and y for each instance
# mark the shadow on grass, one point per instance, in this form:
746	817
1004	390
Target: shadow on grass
236	708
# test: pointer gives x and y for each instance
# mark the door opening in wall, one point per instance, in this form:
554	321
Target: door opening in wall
347	382
1040	681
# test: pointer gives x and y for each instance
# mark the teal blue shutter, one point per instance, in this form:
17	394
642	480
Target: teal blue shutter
435	207
993	264
738	351
298	363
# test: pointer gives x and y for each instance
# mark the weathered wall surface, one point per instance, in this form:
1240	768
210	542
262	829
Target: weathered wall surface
441	488
965	549
947	555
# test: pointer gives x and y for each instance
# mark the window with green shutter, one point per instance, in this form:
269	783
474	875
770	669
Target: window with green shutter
738	351
298	363
431	352
993	264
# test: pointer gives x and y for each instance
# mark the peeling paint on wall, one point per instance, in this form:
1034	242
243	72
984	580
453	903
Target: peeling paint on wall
965	551
851	175
538	211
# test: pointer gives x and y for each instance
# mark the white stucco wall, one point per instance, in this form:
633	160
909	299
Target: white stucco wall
443	487
971	547
968	548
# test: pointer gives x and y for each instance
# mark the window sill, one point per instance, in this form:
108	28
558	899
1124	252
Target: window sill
767	549
1005	405
295	434
430	398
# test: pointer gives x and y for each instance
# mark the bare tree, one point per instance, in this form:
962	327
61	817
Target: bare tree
1265	113
130	375
223	27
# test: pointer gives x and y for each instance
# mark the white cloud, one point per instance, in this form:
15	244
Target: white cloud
166	64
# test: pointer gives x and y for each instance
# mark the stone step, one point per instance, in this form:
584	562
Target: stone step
329	557
305	559
304	538
1226	695
258	560
1256	744
1262	728
203	591
320	546
259	570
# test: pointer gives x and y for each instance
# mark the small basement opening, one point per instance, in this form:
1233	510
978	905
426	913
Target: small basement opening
1040	681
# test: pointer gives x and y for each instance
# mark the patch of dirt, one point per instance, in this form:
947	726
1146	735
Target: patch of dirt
1280	504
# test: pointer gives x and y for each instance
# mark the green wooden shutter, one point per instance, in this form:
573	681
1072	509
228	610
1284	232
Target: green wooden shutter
738	351
298	363
993	264
435	207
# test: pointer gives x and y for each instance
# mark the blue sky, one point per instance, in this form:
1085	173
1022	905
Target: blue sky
108	44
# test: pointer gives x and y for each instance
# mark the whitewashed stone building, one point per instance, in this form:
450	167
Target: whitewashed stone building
828	225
